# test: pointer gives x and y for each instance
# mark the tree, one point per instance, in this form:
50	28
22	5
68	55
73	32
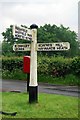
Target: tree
49	33
8	36
7	49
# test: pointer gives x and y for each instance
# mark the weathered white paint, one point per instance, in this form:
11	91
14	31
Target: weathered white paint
22	47
22	33
58	46
33	60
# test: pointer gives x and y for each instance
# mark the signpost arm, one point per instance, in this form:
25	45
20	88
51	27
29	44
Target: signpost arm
33	86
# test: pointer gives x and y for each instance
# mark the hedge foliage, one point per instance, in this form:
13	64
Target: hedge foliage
55	66
12	63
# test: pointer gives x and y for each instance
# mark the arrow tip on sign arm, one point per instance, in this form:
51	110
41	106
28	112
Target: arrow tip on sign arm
14	47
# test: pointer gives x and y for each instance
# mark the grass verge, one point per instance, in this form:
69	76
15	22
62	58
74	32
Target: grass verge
67	80
17	74
49	106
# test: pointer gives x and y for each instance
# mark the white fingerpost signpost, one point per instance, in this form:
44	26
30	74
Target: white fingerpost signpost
33	85
31	35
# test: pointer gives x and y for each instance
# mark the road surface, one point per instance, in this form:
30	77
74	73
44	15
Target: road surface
21	86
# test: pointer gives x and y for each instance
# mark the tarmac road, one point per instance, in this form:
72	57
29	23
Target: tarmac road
21	86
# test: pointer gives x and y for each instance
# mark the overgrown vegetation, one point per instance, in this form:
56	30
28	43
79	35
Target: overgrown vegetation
69	79
50	69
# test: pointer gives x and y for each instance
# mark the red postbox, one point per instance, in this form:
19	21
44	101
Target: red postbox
26	64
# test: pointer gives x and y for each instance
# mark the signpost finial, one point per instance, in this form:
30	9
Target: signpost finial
33	26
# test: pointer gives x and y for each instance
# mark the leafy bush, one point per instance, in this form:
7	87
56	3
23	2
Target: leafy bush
75	66
14	74
56	66
12	63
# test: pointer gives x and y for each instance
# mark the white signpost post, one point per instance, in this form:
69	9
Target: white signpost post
21	33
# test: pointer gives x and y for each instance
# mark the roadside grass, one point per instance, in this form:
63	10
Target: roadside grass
0	102
17	74
69	79
48	106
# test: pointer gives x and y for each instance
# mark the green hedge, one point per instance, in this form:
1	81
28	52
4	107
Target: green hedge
75	66
12	63
55	66
58	66
52	66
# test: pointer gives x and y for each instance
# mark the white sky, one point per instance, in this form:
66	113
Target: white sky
27	12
